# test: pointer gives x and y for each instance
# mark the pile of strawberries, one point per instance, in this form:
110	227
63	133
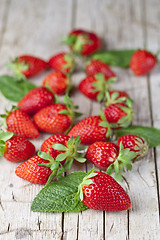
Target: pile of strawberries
40	111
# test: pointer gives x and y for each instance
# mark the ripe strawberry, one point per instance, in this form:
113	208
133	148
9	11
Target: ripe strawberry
99	191
19	122
119	115
27	66
96	66
32	172
63	62
15	148
95	86
142	62
56	118
134	143
35	100
83	42
57	81
91	129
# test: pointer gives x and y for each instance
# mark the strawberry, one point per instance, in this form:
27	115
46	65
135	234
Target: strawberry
119	115
15	148
83	42
116	96
35	100
108	156
56	118
57	81
96	66
63	62
19	122
32	172
27	66
142	62
134	143
99	191
95	86
91	129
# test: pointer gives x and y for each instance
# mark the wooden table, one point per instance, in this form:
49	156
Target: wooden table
36	27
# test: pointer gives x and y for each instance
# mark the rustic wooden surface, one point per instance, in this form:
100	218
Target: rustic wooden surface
36	27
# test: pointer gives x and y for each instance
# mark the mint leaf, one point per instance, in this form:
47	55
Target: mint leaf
150	134
14	89
119	58
59	196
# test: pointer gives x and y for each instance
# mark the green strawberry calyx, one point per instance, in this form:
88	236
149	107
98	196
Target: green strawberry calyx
114	98
87	180
104	123
70	111
141	148
18	67
70	63
70	152
123	161
101	85
4	136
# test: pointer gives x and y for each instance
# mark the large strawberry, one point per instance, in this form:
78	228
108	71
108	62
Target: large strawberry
91	129
134	143
100	191
19	122
56	118
142	62
108	156
95	86
27	66
96	66
83	42
15	148
63	62
119	115
35	100
58	82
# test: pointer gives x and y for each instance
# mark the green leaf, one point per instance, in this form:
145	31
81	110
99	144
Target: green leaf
14	89
59	196
119	58
150	134
81	160
59	147
62	156
5	135
66	112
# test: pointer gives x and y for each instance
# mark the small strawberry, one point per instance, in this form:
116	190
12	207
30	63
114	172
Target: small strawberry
35	100
56	118
96	66
134	143
142	62
95	86
63	62
91	129
119	115
15	148
107	156
19	122
58	82
99	191
27	66
83	42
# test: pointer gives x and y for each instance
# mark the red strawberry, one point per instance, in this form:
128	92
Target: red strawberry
116	96
20	123
134	143
96	66
100	191
91	129
35	100
83	42
56	118
57	81
15	148
95	86
32	172
119	115
27	66
63	62
142	62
